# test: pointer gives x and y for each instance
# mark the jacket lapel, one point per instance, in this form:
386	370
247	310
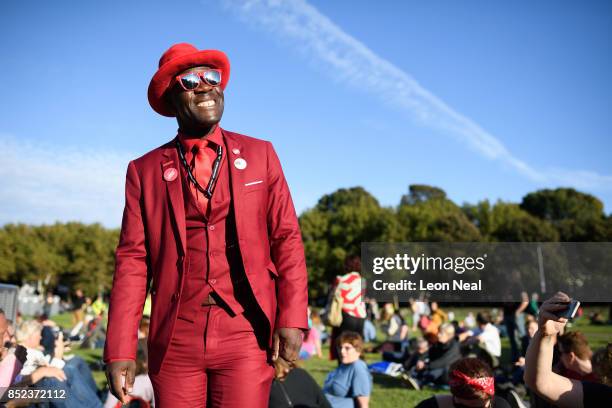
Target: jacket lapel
174	191
237	176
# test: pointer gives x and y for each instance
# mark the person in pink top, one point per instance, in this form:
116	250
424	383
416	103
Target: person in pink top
311	345
11	358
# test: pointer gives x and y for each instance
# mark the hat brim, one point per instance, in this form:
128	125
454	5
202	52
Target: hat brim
164	76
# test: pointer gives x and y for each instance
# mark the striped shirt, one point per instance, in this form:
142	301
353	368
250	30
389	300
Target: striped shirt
352	294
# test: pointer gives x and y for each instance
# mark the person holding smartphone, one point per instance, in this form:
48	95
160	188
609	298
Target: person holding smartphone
561	391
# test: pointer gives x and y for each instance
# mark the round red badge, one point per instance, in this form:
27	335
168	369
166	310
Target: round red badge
170	174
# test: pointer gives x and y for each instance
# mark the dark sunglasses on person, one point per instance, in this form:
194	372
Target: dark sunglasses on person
192	80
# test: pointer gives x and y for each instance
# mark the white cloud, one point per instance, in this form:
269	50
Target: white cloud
304	28
43	183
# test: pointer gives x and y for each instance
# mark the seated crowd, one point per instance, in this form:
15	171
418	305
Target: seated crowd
35	355
551	366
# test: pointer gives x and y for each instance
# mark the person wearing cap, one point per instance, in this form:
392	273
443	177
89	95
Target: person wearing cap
210	229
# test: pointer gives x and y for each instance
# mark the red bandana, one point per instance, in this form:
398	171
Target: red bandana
486	384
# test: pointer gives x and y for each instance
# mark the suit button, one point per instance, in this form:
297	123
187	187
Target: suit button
212	228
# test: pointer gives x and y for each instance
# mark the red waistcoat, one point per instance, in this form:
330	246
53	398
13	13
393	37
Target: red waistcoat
211	249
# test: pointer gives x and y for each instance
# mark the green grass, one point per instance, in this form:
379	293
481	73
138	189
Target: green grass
387	392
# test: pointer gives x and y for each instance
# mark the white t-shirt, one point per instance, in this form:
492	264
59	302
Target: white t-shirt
489	337
36	358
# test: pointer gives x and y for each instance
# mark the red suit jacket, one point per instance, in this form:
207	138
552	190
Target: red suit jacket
153	239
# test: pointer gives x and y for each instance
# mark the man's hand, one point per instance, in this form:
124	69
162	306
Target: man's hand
286	343
420	365
549	323
115	372
282	368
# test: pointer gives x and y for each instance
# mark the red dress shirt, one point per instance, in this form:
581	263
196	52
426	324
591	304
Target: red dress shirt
200	154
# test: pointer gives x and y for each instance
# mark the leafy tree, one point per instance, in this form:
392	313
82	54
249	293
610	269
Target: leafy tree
561	204
419	193
76	254
576	216
335	229
425	214
507	222
72	254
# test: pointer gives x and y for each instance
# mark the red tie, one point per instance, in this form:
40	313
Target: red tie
203	170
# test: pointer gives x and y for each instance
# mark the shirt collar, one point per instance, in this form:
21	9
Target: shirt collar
216	137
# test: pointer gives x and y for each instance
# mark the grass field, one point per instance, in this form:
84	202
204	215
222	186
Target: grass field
388	392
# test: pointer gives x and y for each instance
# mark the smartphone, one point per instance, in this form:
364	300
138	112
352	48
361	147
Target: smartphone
570	312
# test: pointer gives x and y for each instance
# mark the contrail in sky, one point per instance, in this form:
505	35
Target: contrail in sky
319	39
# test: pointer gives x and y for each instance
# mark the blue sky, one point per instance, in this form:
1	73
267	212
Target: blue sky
485	99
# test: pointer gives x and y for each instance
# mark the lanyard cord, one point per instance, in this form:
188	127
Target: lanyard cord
210	188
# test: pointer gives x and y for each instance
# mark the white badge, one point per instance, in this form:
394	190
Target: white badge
240	163
236	151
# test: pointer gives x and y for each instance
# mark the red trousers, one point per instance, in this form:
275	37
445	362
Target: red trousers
214	361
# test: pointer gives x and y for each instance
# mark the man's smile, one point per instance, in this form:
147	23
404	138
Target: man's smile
206	103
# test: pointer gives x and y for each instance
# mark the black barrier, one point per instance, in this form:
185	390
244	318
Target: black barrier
8	300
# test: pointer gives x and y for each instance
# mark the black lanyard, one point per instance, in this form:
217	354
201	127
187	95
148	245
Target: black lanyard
208	192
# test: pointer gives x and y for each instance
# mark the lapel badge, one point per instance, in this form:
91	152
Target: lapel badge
235	151
240	163
170	174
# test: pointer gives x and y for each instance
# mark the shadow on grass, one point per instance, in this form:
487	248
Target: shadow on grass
386	381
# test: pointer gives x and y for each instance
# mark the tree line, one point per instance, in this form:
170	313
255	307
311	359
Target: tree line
74	254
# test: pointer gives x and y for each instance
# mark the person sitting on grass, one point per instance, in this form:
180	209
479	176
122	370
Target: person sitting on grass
11	357
575	357
73	377
441	355
311	345
294	387
471	385
417	351
518	370
349	385
420	353
438	317
602	364
393	324
486	336
561	391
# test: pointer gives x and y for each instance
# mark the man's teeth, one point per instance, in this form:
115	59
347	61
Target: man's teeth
207	104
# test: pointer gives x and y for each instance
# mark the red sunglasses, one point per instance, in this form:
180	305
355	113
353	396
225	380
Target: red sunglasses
192	80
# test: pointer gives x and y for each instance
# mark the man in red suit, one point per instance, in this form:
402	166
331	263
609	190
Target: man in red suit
210	229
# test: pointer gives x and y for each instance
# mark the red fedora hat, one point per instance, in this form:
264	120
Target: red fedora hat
176	59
